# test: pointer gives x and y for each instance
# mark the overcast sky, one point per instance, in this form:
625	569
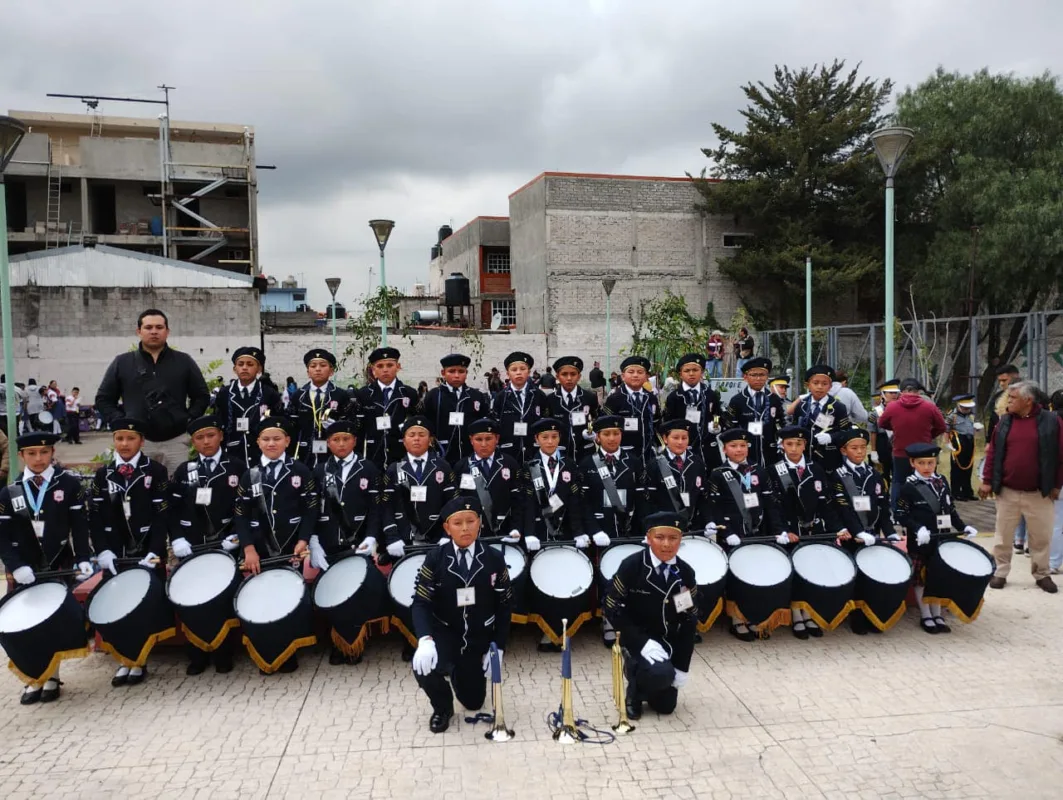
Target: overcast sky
433	112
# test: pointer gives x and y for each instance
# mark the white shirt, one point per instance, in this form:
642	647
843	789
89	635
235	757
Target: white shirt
27	475
346	464
468	557
797	465
685	387
214	460
72	404
657	562
119	461
251	387
733	465
851	466
386	386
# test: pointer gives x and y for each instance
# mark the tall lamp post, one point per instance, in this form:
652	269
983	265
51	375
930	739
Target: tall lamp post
890	146
808	312
608	284
333	285
11	133
382	230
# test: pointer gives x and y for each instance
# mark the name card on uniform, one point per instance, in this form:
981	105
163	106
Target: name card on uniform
944	522
756	428
520	428
824	421
127	509
456	419
556	502
631	423
751	500
38	528
467	596
319	447
685	497
203	494
468	481
243	424
383	423
578	418
683	601
693	415
419	494
862	502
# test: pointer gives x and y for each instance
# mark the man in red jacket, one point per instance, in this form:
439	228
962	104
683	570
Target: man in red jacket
913	420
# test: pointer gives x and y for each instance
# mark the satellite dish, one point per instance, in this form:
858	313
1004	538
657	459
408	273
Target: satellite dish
496	321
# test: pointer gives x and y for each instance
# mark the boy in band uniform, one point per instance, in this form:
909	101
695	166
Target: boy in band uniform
824	417
678	480
385	404
698	403
317	405
555	488
574	408
518	407
780	385
44	525
453	406
961	429
638	408
241	404
416	487
757	411
498	482
881	439
461	605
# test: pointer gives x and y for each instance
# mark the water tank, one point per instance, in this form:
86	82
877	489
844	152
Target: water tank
437	251
456	290
271	281
290	283
418	290
445	231
425	317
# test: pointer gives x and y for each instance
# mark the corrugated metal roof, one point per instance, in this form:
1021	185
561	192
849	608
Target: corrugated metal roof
112	267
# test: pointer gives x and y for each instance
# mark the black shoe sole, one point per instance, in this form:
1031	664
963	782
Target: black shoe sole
119	681
30	698
50	696
441	725
133	680
816	632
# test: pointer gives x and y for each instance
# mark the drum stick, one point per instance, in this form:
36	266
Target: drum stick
58	573
627	540
133	561
274	560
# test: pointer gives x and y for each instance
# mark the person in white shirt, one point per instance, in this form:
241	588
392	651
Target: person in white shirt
73	417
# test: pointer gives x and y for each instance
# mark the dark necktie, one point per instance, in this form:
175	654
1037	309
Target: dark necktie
813	412
387	396
245	394
208	466
551	463
464	556
665	571
610	461
800	472
273	470
935	481
692	397
758	402
482	466
679	463
125	470
38	481
317	398
418	468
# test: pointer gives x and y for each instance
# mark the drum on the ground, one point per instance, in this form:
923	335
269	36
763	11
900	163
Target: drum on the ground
201	590
824	582
402	583
131	614
710	572
957	575
882	576
758	585
517	566
350	594
274	610
40	626
561	587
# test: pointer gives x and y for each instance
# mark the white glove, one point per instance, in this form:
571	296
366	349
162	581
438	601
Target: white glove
443	540
487	663
971	531
710	530
712	427
588	435
532	543
951	448
85	571
894	537
874	457
368	545
148	561
782	538
582	542
653	652
181	547
512	538
978	426
425	657
922	536
230	543
397	549
733	540
24	576
106	561
318	559
823	438
865	538
681	679
601	539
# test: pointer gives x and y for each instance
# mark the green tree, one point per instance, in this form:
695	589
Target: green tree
803	177
365	329
664	329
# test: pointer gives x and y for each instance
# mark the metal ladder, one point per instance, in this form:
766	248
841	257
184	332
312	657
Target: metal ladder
52	232
96	130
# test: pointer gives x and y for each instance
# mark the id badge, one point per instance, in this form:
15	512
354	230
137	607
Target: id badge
683	601
694	415
419	494
468	481
579	419
669	482
319	447
556	502
944	522
520	428
756	428
38	528
467	596
203	494
127	509
862	502
824	421
383	423
243	424
621	495
631	423
256	489
537	483
456	419
751	500
685	497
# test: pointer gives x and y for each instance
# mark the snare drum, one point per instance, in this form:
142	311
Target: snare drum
201	590
824	583
402	583
350	594
40	626
517	565
882	576
758	585
562	579
710	571
957	575
274	610
131	615
609	563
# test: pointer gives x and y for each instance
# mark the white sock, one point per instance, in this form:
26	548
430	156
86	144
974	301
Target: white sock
136	671
935	610
797	615
737	622
122	672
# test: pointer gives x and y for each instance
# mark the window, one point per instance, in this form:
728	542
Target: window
299	296
507	309
735	239
498	263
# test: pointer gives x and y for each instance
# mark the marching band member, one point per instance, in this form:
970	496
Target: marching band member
415	490
677	477
780	385
653	604
461	604
452	407
961	427
638	409
319	403
498	482
696	402
241	404
823	416
574	408
129	514
202	507
517	408
881	439
44	525
384	405
925	506
757	411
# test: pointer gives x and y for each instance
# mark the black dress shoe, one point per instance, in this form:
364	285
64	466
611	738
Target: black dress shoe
120	680
697	638
748	635
223	664
336	657
928	625
291	665
439	722
634	710
48	694
800	630
197	667
941	625
29	698
859	625
407	652
133	680
814	630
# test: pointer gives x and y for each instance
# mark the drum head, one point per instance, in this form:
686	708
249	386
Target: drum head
760	564
31	606
967	558
707	558
402	582
119	596
516	563
200	579
340	582
883	564
824	565
270	596
611	558
562	572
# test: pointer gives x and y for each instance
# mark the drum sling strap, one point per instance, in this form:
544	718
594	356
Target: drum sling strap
736	495
116	505
254	476
673	490
850	489
610	490
484	496
193	486
543	496
22	508
788	485
332	482
930	496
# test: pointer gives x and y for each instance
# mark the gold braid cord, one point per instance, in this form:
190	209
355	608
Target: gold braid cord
289	651
827	625
53	666
145	651
215	643
778	618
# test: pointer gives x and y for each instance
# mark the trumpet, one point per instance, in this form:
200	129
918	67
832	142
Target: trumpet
566	732
499	732
623	725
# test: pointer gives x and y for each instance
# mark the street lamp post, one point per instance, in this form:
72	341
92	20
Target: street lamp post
808	313
333	285
11	133
608	284
890	146
382	230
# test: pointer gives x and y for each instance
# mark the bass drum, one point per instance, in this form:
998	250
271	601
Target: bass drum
274	610
131	615
957	575
351	593
40	626
824	583
609	562
883	575
201	590
562	582
402	583
710	571
758	585
517	565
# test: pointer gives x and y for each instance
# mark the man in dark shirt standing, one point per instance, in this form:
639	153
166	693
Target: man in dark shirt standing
597	378
163	388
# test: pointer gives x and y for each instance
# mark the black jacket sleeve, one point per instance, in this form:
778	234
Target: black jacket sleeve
109	393
198	393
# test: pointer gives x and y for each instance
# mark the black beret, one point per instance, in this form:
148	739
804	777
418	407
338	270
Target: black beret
793	432
569	361
280	422
922	450
382	353
484	425
127	424
416	421
760	362
37	439
255	353
736	435
208	421
342	426
607	422
545	424
519	358
458	504
910	384
636	361
664	519
690	358
819	369
678	424
455	360
319	352
854	433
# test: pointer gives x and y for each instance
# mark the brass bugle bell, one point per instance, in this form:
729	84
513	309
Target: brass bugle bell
623	725
499	732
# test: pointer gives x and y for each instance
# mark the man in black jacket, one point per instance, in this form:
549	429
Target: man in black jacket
162	387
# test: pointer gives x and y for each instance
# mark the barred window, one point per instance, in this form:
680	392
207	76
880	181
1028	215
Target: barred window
498	263
507	309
